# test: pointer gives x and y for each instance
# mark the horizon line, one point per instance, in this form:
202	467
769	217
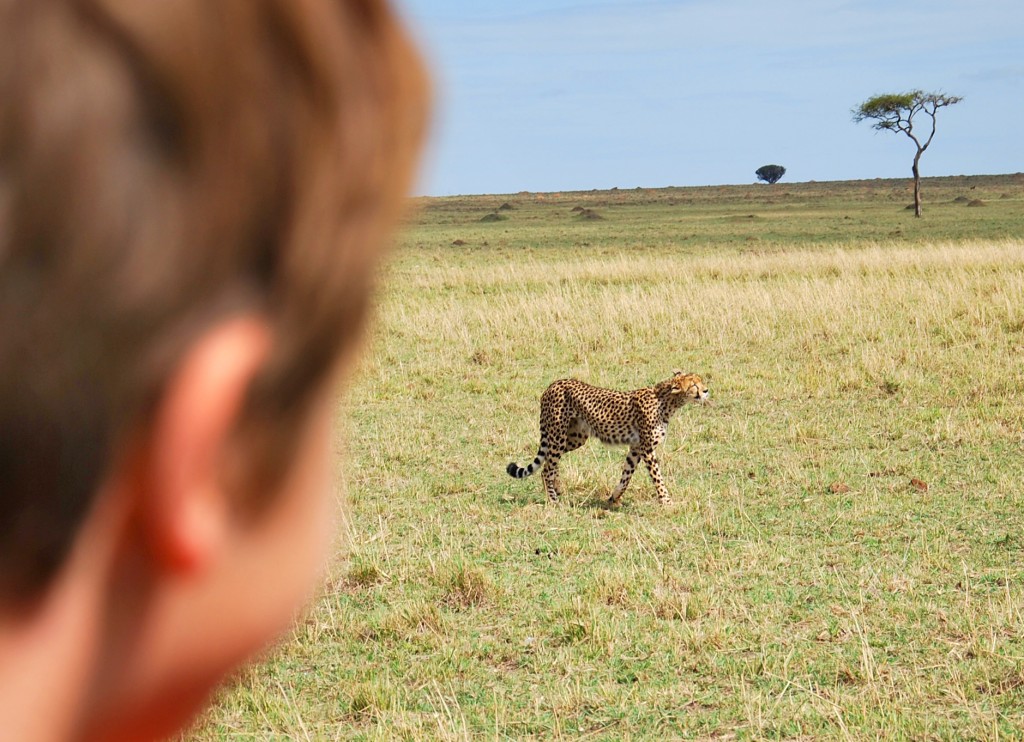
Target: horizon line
908	178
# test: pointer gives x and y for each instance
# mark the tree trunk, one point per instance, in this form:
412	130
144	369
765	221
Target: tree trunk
917	184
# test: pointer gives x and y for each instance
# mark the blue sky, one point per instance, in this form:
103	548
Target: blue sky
549	95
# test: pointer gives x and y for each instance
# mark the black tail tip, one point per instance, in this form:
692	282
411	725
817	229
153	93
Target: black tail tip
512	469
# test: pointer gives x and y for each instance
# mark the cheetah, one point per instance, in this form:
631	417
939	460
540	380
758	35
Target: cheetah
571	411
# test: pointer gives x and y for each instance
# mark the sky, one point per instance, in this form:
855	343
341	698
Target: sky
555	95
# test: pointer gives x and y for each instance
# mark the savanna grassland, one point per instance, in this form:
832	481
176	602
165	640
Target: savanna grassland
845	558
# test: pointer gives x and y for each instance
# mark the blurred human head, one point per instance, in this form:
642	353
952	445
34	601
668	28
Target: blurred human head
179	178
163	165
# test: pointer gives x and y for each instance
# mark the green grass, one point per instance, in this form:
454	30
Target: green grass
801	587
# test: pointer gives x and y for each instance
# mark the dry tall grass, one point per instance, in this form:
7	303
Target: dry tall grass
817	322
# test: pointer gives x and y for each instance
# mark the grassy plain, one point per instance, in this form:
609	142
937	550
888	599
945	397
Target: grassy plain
845	558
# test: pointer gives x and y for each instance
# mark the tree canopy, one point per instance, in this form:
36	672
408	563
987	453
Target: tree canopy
770	173
896	111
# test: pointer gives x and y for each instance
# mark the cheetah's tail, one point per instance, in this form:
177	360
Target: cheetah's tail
520	472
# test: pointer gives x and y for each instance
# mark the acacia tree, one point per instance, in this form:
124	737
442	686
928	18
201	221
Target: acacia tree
770	173
896	112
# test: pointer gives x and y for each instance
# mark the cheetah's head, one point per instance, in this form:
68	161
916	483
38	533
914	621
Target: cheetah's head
690	387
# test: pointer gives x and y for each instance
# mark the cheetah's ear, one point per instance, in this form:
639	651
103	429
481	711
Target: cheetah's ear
677	372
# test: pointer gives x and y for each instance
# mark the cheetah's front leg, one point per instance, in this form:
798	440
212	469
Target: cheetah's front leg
632	459
659	484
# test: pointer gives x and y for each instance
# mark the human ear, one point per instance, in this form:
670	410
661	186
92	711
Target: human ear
181	497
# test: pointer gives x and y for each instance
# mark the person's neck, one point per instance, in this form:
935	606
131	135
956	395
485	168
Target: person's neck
48	646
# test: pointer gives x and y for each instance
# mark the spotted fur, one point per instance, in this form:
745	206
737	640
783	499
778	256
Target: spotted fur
572	411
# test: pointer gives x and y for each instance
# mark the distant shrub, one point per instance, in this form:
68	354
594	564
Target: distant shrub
362	574
370	700
770	173
464	584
